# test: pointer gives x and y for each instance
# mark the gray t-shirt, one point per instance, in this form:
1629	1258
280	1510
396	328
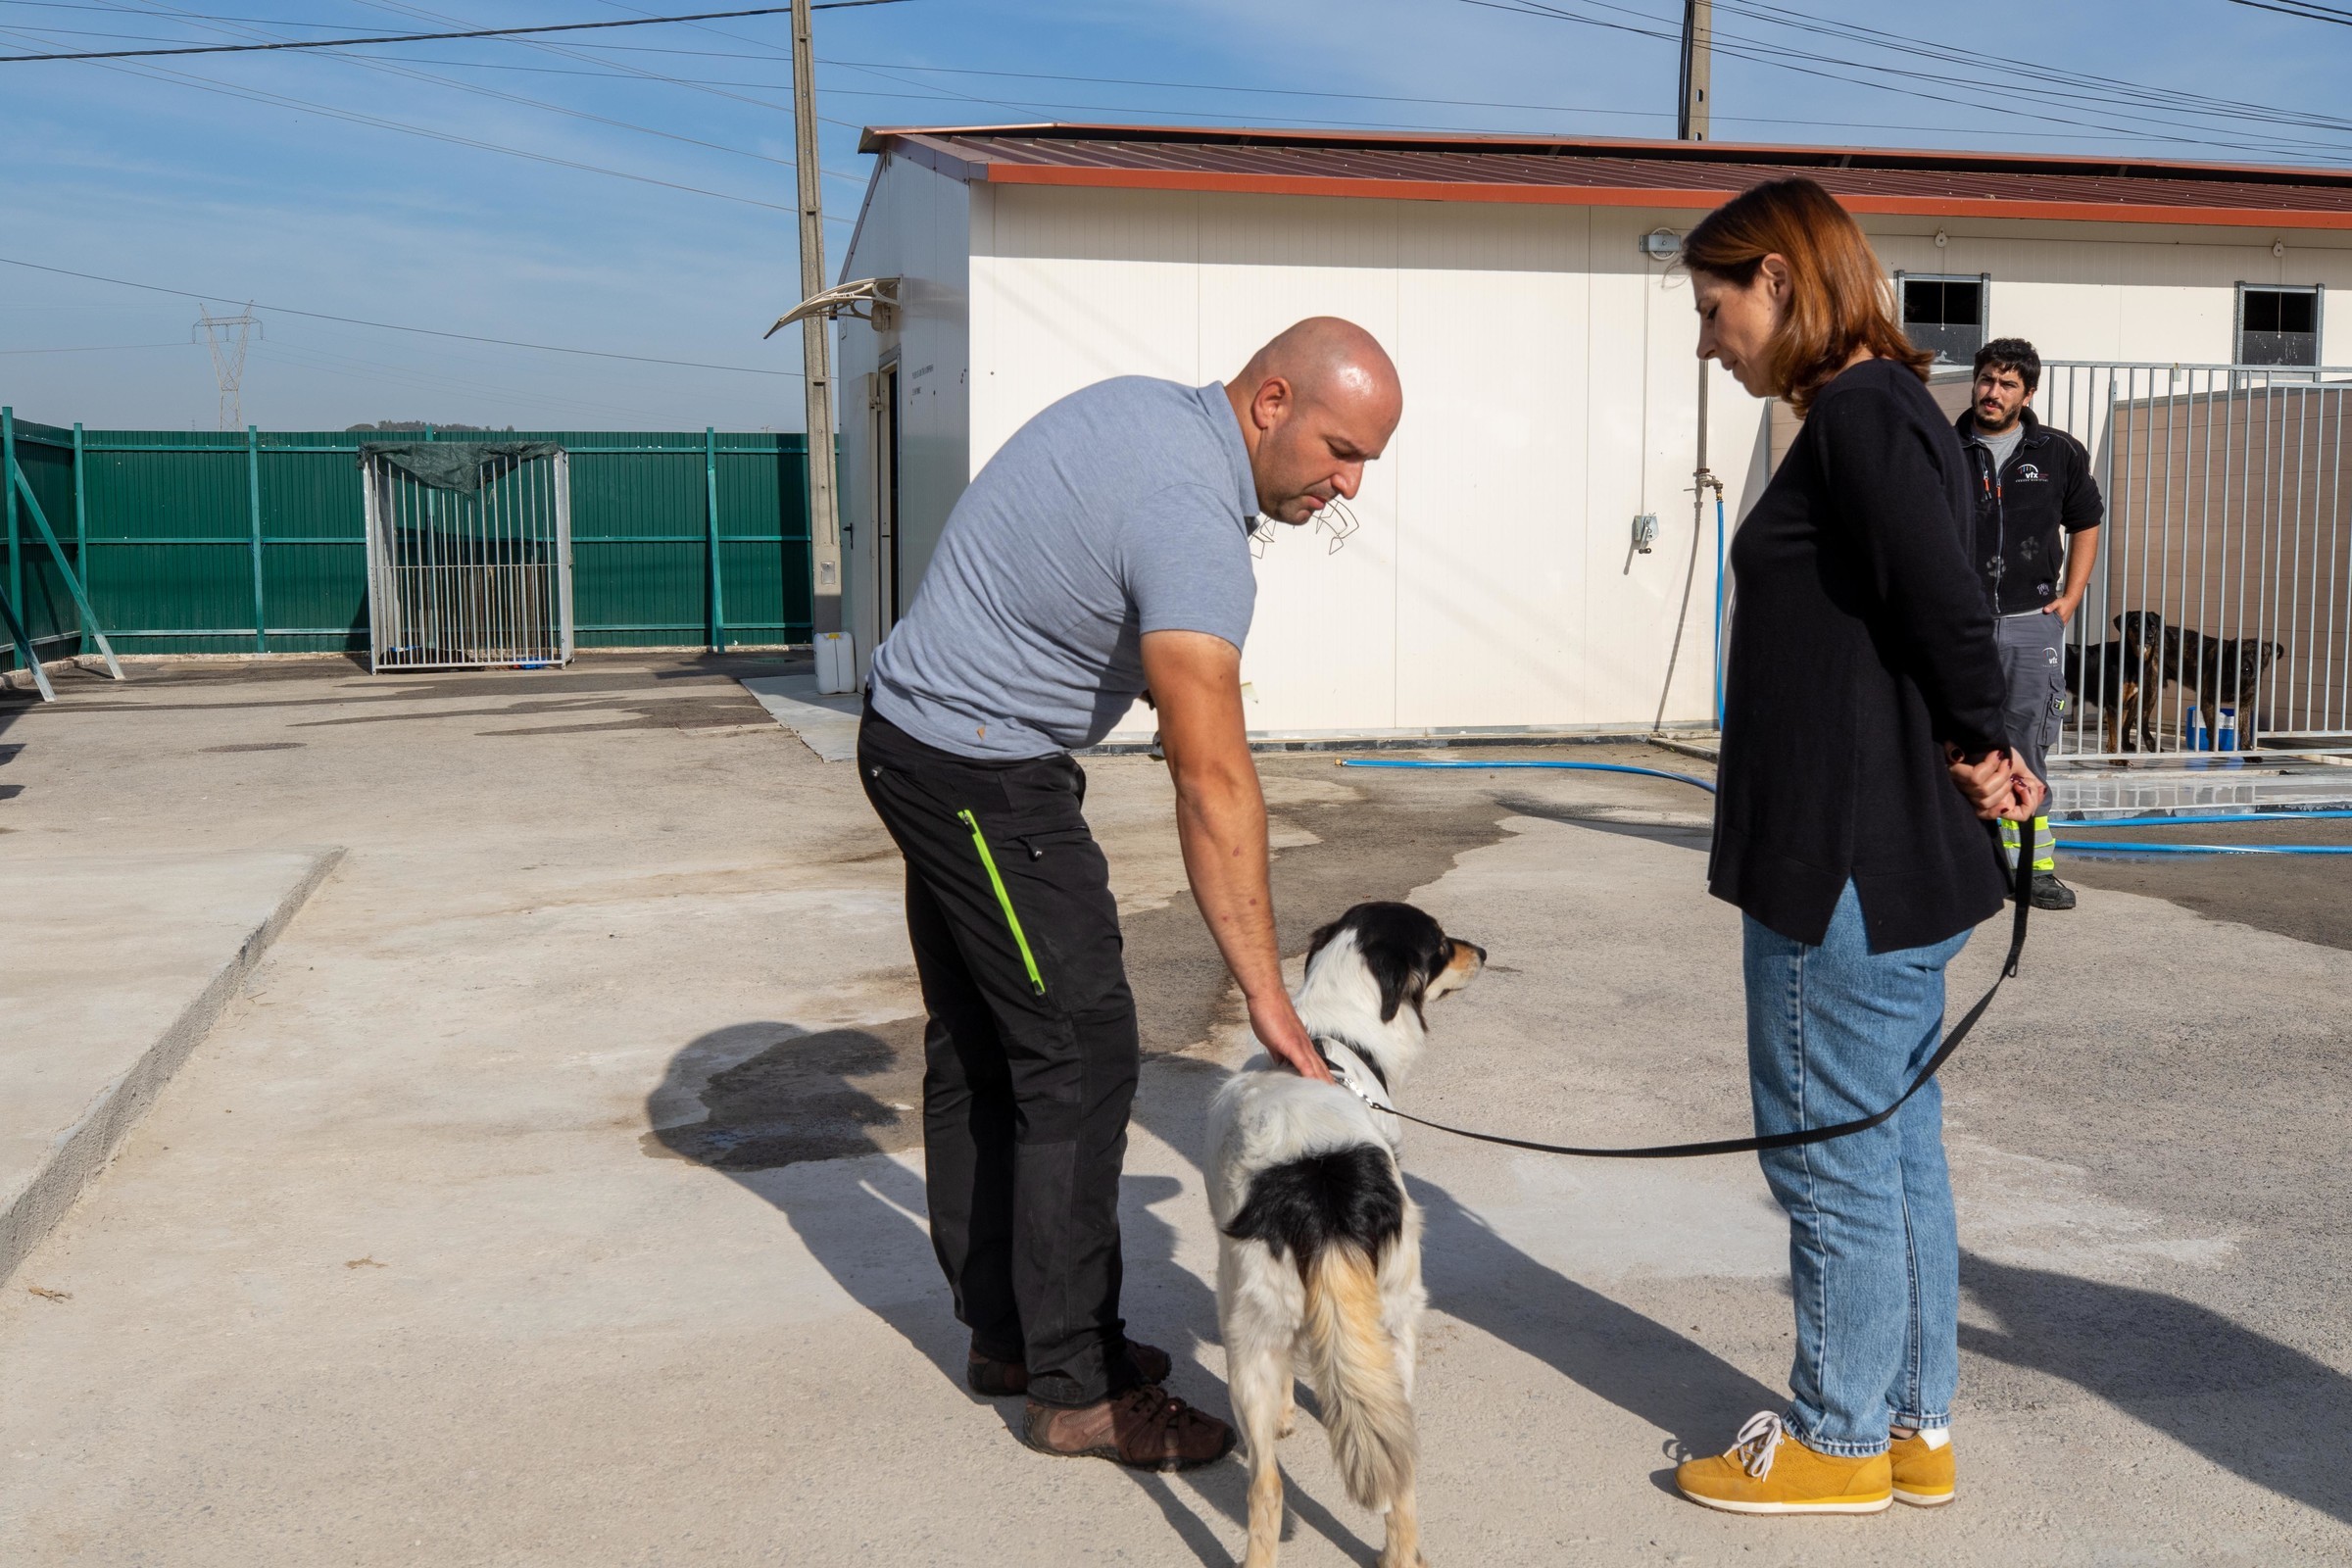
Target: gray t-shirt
2001	446
1123	508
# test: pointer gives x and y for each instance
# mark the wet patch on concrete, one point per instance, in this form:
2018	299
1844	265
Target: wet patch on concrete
2293	896
1372	841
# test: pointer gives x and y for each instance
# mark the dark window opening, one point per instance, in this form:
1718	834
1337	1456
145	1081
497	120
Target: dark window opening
1944	315
2278	326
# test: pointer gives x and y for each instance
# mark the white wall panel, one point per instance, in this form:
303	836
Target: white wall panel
1493	305
1074	287
1322	649
916	226
1551	395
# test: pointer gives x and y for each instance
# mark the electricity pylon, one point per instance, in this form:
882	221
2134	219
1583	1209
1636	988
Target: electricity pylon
226	336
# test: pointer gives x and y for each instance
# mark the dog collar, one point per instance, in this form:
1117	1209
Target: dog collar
1355	1071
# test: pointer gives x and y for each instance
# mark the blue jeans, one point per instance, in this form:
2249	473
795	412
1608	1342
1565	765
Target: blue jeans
1835	1032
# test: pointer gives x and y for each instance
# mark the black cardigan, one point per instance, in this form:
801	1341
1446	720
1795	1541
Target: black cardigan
1862	641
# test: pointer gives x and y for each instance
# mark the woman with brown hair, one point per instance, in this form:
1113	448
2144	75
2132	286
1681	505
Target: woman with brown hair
1862	743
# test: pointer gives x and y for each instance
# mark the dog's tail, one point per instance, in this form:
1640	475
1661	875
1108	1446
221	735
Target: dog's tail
1336	1215
1353	1369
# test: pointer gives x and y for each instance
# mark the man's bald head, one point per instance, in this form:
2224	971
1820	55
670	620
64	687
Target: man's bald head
1315	405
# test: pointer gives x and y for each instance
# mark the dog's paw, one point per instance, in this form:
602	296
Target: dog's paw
1289	1422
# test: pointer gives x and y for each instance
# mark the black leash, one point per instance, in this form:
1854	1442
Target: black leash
2023	888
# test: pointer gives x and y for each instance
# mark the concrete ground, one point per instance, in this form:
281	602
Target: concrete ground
552	1195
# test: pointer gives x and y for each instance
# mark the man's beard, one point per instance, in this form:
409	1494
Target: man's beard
1987	427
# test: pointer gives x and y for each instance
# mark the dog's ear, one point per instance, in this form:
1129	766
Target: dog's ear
1407	963
1401	981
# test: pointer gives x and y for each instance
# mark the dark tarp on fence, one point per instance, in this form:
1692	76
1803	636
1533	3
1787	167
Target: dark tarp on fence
463	466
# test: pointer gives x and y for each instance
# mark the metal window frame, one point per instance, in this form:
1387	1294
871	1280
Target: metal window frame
1984	282
2319	323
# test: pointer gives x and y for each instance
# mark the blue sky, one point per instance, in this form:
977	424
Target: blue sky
222	175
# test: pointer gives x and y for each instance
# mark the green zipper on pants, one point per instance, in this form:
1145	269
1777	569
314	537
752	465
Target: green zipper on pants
988	862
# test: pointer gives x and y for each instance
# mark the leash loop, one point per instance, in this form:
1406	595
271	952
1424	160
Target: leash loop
2022	888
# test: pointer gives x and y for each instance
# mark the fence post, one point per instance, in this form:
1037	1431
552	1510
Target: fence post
253	498
81	536
16	554
719	606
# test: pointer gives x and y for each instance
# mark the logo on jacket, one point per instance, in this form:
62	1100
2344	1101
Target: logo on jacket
2030	473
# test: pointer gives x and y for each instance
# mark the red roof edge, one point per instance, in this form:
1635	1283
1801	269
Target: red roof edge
906	139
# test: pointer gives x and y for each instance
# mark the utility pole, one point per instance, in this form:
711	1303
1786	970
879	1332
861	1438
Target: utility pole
226	336
1691	124
1698	37
816	353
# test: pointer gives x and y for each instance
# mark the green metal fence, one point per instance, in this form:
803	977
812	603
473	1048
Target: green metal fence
254	541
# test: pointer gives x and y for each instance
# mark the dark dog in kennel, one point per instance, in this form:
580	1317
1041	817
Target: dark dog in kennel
2224	673
2119	678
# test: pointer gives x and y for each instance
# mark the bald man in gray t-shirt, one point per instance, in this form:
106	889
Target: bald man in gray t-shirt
1121	510
1100	553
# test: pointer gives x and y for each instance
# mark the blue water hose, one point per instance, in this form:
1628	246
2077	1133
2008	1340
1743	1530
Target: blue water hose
2203	817
1576	767
2138	847
2131	847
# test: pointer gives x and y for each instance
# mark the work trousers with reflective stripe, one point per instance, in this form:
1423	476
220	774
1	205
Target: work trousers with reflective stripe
2032	658
1030	1057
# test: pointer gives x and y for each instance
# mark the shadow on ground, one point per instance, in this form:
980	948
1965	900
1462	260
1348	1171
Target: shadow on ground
2257	1408
786	1113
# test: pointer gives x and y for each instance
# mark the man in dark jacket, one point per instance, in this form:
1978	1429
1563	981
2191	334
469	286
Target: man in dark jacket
2036	535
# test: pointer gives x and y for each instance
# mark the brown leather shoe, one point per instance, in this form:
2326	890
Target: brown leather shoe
1145	1427
1001	1380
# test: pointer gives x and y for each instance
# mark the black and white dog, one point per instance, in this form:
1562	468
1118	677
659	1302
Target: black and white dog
1319	1249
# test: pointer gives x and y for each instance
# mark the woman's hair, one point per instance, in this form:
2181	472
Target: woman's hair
1840	300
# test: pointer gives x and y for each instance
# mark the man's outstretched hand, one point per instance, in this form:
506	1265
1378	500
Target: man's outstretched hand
1279	1030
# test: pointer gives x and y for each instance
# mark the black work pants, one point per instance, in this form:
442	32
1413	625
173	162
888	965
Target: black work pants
1030	1057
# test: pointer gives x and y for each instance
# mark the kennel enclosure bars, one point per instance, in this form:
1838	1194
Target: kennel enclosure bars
2226	497
468	554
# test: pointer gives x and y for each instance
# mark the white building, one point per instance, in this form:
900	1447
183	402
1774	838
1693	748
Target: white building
1545	343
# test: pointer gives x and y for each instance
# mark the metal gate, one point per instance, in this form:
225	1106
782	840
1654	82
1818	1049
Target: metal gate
468	554
2219	617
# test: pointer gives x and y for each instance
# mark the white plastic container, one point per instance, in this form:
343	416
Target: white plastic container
836	662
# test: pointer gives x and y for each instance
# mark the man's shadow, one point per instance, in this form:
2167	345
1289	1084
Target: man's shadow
800	1117
2257	1408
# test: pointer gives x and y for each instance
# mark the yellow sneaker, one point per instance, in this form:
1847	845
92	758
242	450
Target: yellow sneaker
1768	1471
1923	1475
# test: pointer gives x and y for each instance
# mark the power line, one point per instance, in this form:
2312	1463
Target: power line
2342	19
395	326
434	37
403	68
2091	133
355	116
1783	58
2100	89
